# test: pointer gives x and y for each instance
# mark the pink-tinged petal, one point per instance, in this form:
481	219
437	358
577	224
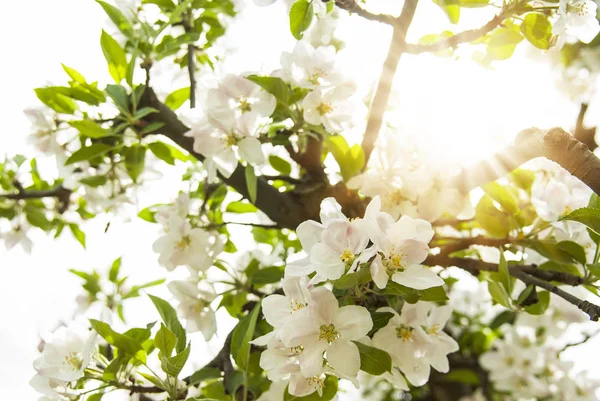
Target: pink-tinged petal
296	288
352	322
417	277
324	306
358	237
276	309
309	233
378	273
403	229
344	357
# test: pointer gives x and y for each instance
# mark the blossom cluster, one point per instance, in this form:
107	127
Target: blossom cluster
184	245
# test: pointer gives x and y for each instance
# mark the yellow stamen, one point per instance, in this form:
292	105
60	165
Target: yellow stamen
328	333
324	108
404	332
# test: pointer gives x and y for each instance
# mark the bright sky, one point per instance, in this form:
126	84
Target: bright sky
455	104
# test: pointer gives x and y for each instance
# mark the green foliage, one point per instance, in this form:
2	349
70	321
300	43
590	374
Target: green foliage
493	220
537	30
240	207
242	335
541	306
451	8
57	101
503	41
373	360
123	342
589	216
301	16
280	165
173	365
169	318
115	57
118	18
410	295
162	151
88	153
177	98
90	129
350	159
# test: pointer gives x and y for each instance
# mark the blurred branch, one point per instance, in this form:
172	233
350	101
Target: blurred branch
386	79
353	7
586	338
583	134
62	195
461	37
555	144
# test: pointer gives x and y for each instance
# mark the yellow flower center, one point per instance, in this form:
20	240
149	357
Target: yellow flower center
315	381
404	332
243	104
75	360
316	76
295	305
579	9
184	242
328	333
394	261
324	108
297	350
347	257
509	361
434	330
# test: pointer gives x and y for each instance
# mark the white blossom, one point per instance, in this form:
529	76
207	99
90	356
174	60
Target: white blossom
311	68
66	353
330	107
576	18
43	130
194	305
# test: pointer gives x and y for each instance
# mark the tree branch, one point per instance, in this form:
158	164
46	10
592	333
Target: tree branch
384	87
583	134
554	144
592	310
474	266
57	192
280	207
462	37
352	7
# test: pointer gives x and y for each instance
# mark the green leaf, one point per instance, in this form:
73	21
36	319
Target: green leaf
501	195
135	160
473	3
242	335
594	269
119	95
499	294
594	201
524	294
162	151
553	250
573	249
118	18
58	102
380	320
276	87
75	76
280	165
87	153
94	397
541	306
204	374
466	376
301	15
362	276
560	267
537	30
123	342
165	5
503	41
148	215
169	317
90	129
373	360
451	8
330	389
115	57
143	112
240	207
94	181
492	219
36	217
251	182
113	273
350	159
522	178
588	216
77	233
177	98
505	277
268	275
165	340
173	365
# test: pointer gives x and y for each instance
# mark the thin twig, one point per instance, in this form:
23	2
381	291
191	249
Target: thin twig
386	79
586	338
354	8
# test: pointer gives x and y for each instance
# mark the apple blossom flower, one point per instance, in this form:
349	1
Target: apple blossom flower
330	107
52	389
406	341
237	96
219	141
279	309
311	68
324	327
18	235
66	354
555	193
172	213
441	343
183	245
194	306
43	130
576	18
